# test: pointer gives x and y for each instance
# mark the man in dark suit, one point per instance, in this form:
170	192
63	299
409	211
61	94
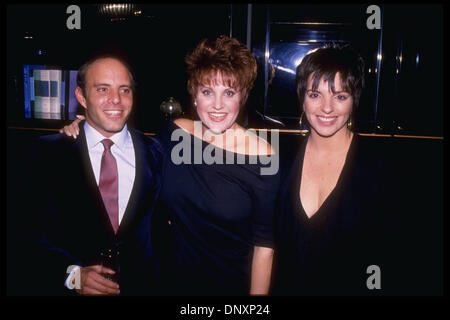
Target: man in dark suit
93	197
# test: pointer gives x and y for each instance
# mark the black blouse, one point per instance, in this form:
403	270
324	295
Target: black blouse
218	213
329	253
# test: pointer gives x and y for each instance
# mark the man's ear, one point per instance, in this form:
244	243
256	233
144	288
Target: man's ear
80	97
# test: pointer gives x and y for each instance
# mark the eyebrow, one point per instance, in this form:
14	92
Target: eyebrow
212	85
108	85
336	92
342	91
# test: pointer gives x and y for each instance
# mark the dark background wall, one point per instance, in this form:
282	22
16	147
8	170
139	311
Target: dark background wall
404	58
155	43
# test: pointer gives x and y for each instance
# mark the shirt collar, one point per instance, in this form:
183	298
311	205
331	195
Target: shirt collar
93	137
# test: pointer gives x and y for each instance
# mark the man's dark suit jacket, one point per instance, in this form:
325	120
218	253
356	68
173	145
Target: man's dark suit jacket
68	223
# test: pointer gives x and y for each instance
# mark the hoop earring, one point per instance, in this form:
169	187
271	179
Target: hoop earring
350	123
303	128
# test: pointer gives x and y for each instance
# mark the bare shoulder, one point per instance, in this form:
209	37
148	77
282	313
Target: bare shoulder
264	147
257	145
185	124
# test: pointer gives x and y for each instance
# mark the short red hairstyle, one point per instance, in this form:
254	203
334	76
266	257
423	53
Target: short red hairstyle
223	59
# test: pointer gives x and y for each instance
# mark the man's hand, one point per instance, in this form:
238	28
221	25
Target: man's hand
93	283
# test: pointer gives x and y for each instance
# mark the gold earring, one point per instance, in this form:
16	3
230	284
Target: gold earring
303	128
349	123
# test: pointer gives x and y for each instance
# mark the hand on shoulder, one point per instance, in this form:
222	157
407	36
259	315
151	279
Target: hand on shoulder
73	129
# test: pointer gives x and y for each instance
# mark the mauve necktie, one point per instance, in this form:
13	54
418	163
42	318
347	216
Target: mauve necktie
108	184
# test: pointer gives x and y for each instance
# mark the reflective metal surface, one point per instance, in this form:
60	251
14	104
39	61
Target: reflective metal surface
170	108
401	67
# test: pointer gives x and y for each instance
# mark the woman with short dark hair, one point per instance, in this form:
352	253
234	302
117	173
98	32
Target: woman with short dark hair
333	202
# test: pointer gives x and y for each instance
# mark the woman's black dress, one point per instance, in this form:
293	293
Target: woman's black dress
329	253
218	213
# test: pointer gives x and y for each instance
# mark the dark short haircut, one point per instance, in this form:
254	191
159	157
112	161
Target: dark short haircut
226	56
81	76
325	63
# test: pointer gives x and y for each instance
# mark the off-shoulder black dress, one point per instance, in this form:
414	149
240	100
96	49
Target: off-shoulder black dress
218	213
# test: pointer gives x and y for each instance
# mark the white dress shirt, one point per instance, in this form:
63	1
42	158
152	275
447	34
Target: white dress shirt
123	152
